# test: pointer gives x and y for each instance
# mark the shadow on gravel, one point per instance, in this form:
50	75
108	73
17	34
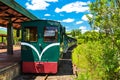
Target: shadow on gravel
65	64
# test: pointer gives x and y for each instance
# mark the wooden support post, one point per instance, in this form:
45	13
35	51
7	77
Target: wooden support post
9	38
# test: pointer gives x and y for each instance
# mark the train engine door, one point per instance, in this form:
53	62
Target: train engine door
29	48
51	44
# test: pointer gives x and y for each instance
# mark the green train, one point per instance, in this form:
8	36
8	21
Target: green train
40	45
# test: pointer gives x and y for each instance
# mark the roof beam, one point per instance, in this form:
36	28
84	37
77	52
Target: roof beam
12	17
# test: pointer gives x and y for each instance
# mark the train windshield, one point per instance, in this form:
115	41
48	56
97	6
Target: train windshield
30	34
50	34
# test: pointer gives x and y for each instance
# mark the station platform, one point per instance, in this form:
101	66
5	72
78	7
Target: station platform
9	64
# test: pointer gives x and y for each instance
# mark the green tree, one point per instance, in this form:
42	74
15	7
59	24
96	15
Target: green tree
15	37
106	17
76	32
91	36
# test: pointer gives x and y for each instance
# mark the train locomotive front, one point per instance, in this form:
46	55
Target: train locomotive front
40	46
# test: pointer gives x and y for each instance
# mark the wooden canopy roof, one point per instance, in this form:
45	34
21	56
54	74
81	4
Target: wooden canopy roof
9	9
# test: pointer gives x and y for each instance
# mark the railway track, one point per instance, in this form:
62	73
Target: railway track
32	77
65	70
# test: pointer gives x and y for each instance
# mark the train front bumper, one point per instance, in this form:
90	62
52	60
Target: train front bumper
39	67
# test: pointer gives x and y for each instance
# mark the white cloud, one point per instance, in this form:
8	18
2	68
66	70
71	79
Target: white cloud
97	30
68	20
74	7
83	29
85	17
2	28
44	18
51	0
38	4
79	22
67	28
47	15
61	15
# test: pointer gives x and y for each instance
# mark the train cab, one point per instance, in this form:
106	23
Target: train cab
40	46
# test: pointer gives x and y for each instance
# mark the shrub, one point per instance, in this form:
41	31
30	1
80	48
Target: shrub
87	59
97	61
80	41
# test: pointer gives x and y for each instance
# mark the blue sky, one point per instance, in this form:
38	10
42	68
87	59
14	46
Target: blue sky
2	28
71	13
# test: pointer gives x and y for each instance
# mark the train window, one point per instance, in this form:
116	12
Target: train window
50	34
30	34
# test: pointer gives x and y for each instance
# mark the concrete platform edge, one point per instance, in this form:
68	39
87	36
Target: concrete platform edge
10	72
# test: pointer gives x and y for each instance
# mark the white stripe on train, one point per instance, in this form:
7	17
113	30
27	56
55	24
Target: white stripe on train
40	55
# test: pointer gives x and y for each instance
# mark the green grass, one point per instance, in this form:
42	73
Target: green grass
3	32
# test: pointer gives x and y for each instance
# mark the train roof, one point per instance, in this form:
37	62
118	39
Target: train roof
51	22
41	20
